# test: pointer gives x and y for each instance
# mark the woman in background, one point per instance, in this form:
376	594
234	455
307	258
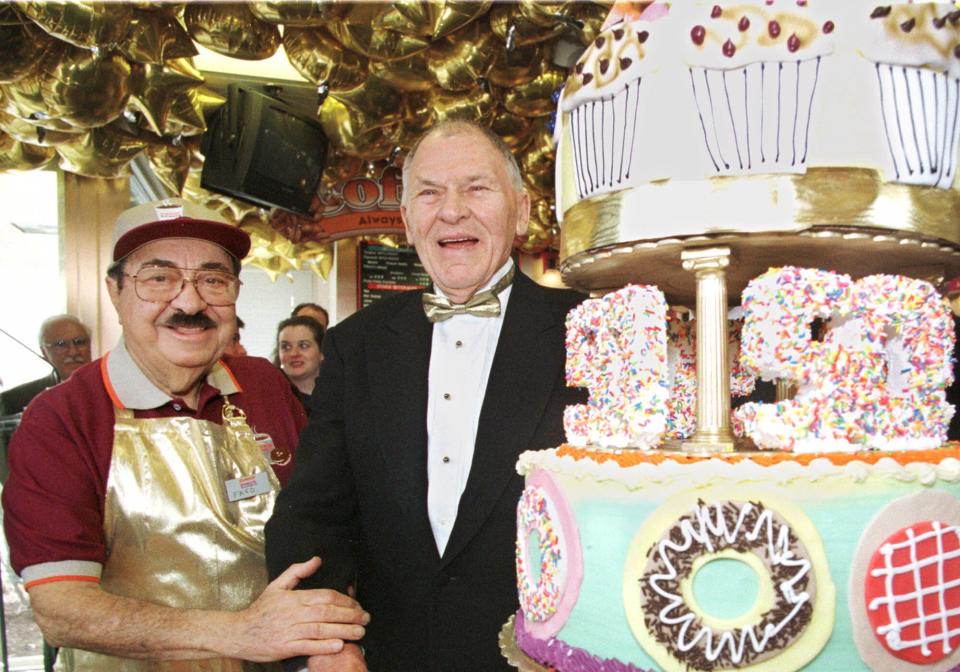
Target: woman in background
298	354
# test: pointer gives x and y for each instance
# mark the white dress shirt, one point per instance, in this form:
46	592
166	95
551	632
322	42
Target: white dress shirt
460	359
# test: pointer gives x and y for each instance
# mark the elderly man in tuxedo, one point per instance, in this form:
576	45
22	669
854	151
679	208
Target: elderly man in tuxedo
406	485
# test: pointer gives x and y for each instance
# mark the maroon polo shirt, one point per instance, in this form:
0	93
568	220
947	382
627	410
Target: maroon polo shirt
59	457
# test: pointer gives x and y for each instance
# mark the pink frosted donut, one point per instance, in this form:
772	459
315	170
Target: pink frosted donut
548	593
616	348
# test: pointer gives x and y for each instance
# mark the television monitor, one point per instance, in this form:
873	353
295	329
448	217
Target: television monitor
263	148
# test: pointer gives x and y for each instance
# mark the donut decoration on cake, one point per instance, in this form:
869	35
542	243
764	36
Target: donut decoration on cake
548	579
600	106
874	380
916	52
772	538
905	585
754	69
914	613
616	348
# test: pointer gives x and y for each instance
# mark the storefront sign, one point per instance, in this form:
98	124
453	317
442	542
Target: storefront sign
362	206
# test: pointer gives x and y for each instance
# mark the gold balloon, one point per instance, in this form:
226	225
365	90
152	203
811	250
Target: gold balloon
316	55
231	29
534	99
408	74
458	62
592	16
156	37
476	105
431	18
417	118
171	164
410	17
512	67
154	88
539	230
356	31
508	21
186	114
24	99
537	160
450	17
373	98
319	257
351	131
341	167
542	13
100	152
83	24
21	156
303	13
24	131
86	89
22	47
513	129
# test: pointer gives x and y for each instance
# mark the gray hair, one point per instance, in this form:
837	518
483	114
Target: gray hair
451	127
64	317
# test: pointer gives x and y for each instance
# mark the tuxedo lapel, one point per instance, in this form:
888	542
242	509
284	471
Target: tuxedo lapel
519	387
399	355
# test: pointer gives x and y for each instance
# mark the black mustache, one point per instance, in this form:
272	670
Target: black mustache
190	321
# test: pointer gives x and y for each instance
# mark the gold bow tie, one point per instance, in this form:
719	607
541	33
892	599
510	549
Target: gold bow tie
485	304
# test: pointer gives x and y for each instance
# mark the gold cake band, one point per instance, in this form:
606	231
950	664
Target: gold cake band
846	219
855	197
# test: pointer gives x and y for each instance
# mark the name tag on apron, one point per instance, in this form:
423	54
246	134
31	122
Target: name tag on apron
247	486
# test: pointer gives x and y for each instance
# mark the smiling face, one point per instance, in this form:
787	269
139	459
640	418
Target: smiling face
174	343
299	355
461	210
60	347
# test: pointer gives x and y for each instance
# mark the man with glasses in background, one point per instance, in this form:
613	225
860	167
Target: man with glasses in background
65	343
139	488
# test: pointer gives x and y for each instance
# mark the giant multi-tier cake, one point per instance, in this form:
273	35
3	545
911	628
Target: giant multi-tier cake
825	134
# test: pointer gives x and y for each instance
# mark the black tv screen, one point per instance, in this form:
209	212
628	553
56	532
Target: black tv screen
261	148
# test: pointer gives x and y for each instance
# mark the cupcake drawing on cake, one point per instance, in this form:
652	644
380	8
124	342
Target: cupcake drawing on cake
754	69
916	52
599	106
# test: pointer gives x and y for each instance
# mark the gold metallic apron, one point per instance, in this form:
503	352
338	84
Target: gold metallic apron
172	535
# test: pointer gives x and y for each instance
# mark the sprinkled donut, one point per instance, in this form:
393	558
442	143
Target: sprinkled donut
548	593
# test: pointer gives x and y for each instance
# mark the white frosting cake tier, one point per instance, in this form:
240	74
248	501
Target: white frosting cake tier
755	88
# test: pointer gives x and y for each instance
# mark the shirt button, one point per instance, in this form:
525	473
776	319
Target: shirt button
446	459
446	395
177	407
459	344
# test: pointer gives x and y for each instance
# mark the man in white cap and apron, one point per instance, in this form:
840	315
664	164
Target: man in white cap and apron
139	487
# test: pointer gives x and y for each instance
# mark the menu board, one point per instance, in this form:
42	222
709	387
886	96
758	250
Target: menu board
384	270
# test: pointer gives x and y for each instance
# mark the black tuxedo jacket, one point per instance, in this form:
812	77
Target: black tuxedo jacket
358	495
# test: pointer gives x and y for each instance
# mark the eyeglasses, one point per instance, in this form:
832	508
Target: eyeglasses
64	343
161	284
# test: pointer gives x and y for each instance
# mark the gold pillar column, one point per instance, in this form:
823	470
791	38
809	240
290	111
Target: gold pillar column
713	376
786	389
